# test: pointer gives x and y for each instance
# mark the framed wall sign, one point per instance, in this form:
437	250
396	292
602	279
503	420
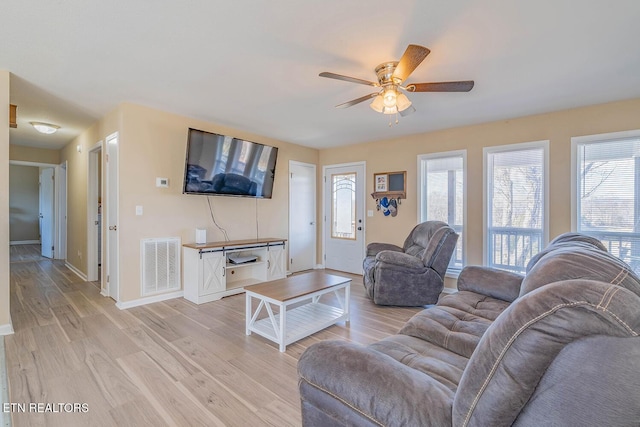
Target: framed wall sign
381	182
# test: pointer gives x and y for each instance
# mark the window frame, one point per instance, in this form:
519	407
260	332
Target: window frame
486	215
422	200
576	143
589	139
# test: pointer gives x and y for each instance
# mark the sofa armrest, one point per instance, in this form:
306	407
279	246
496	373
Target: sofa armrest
374	248
492	282
347	381
400	259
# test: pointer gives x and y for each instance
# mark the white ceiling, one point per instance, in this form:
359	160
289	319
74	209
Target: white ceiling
254	65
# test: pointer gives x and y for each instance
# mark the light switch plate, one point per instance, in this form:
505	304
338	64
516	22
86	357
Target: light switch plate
369	212
138	210
162	182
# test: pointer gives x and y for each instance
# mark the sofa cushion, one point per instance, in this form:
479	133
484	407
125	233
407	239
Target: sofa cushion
579	261
420	237
365	384
599	375
519	347
443	365
457	323
567	240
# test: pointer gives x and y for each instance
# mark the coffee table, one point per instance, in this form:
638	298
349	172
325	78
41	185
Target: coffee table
311	316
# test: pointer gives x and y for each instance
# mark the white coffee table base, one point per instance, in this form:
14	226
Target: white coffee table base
289	326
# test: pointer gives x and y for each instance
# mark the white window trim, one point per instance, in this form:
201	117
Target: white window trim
544	144
421	200
589	139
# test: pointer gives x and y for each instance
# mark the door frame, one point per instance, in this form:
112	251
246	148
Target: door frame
92	213
315	208
324	205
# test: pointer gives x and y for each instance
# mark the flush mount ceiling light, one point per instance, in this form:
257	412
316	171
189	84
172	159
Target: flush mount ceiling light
46	128
390	99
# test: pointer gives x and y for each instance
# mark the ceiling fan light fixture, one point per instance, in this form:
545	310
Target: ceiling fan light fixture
46	128
390	110
377	104
390	96
402	102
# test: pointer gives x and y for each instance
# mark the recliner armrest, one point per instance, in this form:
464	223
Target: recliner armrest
374	248
399	258
492	282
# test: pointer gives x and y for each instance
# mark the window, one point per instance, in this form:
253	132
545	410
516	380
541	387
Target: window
607	192
442	196
343	206
515	204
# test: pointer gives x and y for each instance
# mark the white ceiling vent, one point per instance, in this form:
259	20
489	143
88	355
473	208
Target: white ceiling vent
160	261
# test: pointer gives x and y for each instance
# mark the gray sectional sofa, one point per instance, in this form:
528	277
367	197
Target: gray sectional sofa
558	346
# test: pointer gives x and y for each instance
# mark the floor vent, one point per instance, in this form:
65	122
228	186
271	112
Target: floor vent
160	265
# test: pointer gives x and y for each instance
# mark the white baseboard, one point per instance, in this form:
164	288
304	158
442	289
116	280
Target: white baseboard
123	305
6	329
24	242
78	273
104	292
319	267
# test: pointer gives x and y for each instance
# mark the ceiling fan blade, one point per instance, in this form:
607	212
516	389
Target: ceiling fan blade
462	86
410	60
407	111
347	78
356	101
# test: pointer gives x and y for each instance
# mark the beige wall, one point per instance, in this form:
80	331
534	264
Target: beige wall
557	127
24	203
5	317
152	144
32	154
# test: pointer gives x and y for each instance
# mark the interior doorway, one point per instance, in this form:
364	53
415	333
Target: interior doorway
302	216
48	226
344	205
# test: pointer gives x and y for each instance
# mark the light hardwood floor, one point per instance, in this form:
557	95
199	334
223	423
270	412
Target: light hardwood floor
169	363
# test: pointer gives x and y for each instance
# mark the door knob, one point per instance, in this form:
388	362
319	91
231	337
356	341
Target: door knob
359	228
113	227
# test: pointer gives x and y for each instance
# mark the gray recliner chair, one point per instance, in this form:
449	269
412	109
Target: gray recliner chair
411	275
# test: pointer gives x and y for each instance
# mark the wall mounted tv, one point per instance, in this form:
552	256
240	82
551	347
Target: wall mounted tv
223	165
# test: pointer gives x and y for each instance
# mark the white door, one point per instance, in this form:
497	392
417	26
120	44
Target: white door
344	205
47	230
94	226
61	211
112	215
302	216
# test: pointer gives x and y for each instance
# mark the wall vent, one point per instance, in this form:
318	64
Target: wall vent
160	265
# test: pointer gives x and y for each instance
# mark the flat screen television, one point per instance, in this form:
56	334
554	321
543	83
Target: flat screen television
223	165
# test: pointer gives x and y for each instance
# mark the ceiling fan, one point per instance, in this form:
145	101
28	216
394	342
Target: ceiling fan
390	99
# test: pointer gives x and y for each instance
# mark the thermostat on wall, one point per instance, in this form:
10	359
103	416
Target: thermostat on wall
162	182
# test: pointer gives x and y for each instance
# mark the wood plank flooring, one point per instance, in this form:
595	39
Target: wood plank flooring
171	363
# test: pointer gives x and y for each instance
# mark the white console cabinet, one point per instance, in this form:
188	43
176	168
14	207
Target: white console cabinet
209	275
